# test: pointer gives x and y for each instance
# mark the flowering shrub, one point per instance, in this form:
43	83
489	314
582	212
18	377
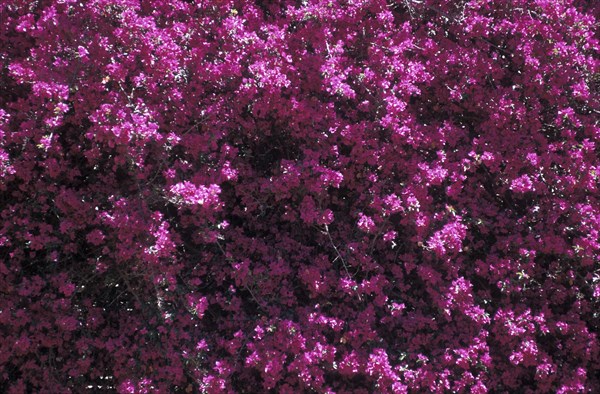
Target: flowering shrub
321	195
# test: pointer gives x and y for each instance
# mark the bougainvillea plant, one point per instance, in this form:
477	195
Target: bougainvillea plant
332	196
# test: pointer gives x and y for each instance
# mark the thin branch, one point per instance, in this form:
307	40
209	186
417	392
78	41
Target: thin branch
245	286
337	251
339	255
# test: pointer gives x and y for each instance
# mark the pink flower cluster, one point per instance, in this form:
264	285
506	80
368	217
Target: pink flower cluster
333	196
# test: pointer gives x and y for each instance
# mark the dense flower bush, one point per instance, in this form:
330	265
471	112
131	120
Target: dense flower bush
299	196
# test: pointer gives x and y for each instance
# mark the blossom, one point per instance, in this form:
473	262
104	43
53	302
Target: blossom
188	193
522	184
365	223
